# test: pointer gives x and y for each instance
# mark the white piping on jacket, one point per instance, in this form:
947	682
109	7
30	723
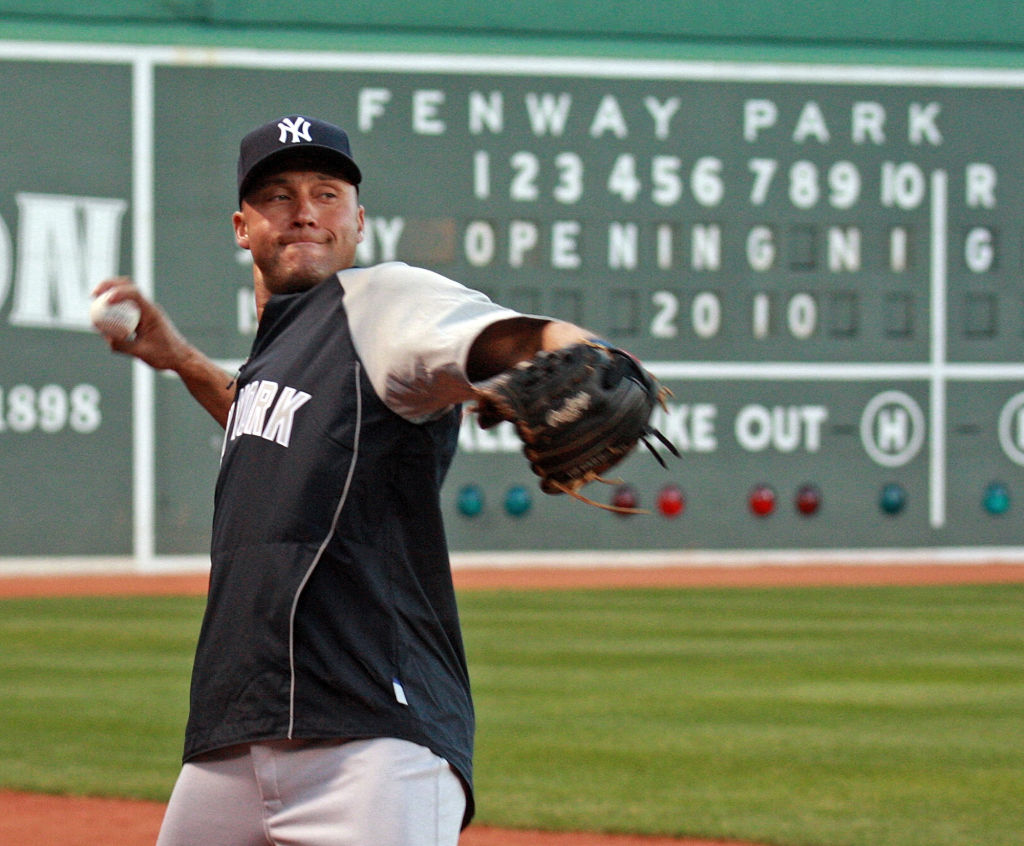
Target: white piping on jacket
321	550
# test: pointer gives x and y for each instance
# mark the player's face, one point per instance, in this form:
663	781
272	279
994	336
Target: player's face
301	226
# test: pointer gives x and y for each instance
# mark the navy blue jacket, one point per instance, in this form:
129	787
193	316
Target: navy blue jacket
331	609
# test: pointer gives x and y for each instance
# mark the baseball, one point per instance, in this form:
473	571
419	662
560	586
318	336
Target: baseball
118	320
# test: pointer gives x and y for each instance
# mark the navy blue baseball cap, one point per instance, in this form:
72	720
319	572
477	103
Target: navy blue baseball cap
315	141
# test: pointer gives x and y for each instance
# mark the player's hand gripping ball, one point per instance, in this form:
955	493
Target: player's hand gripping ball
117	321
579	411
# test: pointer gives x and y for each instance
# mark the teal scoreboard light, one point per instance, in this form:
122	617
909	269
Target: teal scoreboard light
823	263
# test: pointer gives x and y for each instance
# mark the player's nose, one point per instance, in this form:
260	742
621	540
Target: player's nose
303	212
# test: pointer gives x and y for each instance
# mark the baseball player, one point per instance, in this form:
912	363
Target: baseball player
330	700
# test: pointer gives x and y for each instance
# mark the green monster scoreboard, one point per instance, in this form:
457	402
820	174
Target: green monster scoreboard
822	262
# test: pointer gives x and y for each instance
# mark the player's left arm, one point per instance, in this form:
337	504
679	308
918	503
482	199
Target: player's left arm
504	344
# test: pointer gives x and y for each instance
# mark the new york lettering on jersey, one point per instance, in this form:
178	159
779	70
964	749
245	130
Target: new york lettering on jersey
265	410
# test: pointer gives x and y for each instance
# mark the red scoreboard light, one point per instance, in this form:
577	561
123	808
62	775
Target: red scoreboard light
671	501
762	500
808	499
625	497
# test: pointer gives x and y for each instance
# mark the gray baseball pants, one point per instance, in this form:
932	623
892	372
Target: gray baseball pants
379	792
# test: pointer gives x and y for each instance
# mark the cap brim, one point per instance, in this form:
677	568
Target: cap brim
321	157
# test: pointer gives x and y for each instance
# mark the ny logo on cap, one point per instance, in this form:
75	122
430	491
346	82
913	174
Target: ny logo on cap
296	128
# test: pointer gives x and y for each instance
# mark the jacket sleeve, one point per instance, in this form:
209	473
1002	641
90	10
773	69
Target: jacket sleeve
413	330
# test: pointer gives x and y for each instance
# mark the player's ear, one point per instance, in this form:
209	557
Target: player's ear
241	230
361	218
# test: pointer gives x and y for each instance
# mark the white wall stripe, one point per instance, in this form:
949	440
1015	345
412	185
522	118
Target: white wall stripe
143	379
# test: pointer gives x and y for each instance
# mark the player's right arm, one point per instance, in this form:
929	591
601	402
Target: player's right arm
158	343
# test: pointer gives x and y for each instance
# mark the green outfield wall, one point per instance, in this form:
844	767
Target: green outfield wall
807	223
956	23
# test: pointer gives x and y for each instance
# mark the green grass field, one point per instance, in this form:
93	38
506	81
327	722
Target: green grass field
833	716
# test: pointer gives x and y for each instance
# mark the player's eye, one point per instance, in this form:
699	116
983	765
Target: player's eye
271	196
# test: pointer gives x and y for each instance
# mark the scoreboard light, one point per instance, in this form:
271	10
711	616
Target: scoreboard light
997	499
671	501
808	499
470	500
762	500
893	499
625	496
518	501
